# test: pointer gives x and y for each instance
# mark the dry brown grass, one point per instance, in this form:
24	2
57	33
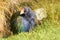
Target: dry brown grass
6	11
4	25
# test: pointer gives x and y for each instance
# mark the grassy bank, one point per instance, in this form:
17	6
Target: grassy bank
50	27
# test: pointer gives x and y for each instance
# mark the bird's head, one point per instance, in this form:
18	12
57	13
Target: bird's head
24	10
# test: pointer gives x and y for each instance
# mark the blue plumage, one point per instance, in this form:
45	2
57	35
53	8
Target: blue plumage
26	20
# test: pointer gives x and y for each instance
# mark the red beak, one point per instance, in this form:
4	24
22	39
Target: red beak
22	11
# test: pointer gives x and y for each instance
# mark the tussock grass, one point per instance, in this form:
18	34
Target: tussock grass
50	27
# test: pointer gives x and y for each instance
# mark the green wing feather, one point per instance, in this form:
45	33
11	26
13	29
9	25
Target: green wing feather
19	24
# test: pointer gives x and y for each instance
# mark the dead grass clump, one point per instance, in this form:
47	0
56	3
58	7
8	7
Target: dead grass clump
7	8
4	25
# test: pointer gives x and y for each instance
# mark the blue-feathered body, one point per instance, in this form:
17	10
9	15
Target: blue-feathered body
28	19
25	22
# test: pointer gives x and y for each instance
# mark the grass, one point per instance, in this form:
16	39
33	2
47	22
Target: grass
50	27
48	30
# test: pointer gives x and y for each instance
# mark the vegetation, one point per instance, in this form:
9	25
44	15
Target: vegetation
49	28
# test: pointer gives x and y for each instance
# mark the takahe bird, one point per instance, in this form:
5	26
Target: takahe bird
23	21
